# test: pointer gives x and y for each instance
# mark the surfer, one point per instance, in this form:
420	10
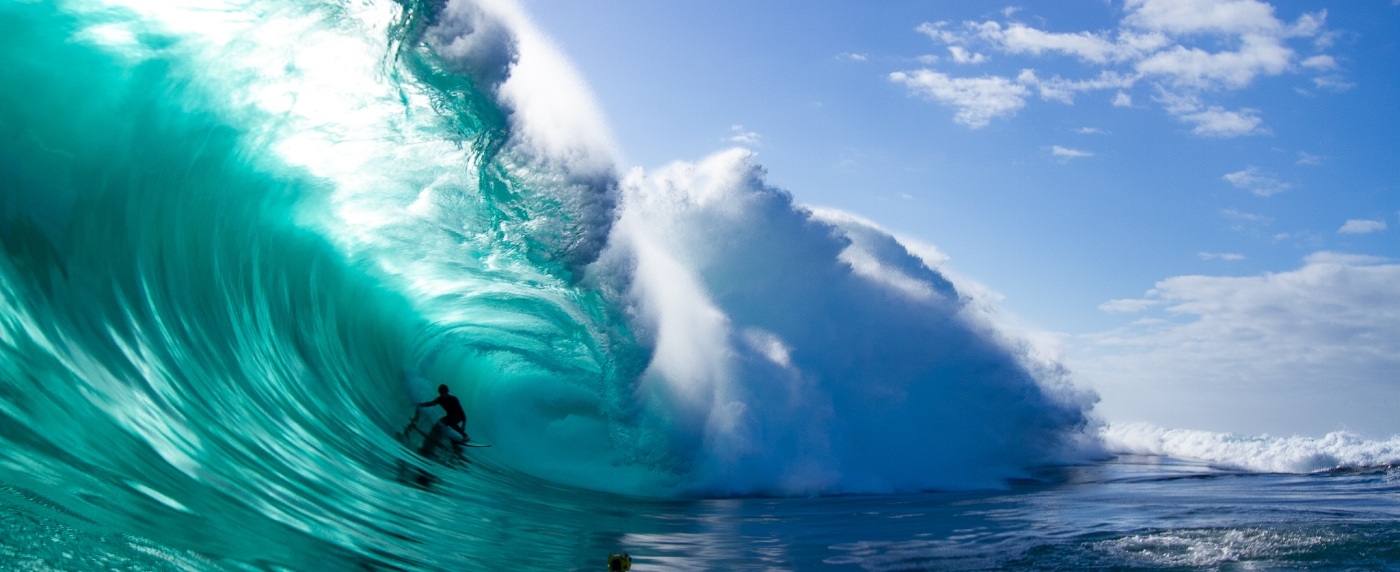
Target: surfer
619	562
456	419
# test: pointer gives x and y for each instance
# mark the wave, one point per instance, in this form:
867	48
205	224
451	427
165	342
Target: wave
243	239
1256	453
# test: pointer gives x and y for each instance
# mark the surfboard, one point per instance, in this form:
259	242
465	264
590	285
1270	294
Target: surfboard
432	437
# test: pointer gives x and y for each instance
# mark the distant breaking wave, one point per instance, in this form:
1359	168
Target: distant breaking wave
1263	453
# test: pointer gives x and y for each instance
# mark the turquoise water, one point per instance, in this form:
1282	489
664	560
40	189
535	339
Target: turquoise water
243	239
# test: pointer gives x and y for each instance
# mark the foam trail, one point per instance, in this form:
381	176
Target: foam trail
1261	453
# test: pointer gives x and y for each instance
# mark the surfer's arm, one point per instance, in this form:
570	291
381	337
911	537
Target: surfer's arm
429	403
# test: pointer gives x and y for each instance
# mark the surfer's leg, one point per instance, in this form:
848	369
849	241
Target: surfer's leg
461	428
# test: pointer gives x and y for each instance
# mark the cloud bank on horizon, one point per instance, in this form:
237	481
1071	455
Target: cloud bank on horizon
1182	51
1317	337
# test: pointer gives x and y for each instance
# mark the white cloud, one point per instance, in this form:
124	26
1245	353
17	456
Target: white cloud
1332	83
962	56
939	32
853	57
1127	305
1305	158
1090	131
1320	62
1306	350
1197	68
1063	90
1069	153
1191	47
1362	226
1219	122
1203	16
1226	256
1212	121
1255	182
977	100
1022	39
744	137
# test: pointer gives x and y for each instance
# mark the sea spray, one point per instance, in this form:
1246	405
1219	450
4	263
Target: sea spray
1291	454
792	354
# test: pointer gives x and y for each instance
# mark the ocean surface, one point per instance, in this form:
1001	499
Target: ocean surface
243	239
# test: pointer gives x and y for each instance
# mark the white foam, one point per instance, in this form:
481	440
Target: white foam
553	111
1206	548
1262	453
815	353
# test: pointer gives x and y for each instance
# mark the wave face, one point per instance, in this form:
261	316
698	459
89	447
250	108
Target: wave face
242	239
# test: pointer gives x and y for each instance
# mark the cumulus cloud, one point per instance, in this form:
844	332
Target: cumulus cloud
1321	62
1212	121
1021	39
1069	153
1308	350
1220	122
1198	68
1202	16
1362	226
1252	180
853	57
1185	48
963	56
978	100
1063	90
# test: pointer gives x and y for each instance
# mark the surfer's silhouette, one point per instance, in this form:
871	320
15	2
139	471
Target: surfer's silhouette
456	419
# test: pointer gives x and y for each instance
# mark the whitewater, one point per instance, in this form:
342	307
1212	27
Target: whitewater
244	238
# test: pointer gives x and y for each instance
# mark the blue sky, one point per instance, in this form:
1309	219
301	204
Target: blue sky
1194	203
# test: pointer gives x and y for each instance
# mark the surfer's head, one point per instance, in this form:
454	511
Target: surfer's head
619	562
442	389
